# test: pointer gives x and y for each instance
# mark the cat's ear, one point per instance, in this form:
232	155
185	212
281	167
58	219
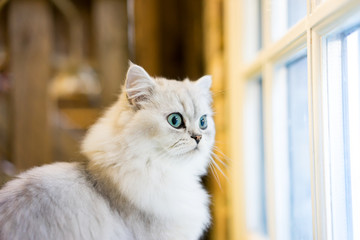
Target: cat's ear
204	82
138	85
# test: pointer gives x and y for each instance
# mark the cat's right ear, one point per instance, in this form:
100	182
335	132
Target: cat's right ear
138	85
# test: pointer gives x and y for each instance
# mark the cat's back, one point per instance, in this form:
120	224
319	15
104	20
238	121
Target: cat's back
55	201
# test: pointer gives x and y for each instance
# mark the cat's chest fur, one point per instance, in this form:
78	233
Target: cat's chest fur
154	208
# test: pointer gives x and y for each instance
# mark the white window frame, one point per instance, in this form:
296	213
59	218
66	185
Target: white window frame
322	17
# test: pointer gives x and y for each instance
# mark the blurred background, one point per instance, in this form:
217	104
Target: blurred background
286	88
62	62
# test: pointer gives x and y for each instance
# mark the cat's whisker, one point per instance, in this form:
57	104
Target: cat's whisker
220	170
219	159
219	92
166	152
214	173
218	151
175	144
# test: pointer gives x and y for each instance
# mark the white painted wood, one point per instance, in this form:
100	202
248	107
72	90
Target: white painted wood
323	17
268	142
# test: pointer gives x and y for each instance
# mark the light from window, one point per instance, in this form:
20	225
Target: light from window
252	15
291	151
342	132
254	165
285	14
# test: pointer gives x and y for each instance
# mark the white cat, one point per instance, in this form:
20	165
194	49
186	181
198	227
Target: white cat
142	178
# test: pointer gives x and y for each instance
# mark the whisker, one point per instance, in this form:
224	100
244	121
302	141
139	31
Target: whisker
221	171
221	153
219	159
216	176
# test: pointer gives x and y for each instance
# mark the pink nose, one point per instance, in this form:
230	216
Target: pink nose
197	138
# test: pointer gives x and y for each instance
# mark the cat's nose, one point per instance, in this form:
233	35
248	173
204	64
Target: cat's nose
197	138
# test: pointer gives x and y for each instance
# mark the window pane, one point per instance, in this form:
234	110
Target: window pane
342	121
296	11
298	124
256	217
291	151
285	14
253	28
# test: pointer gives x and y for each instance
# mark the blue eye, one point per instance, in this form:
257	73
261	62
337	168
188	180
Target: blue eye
175	120
203	122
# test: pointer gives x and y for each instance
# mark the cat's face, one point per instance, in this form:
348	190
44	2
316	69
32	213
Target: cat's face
156	122
175	116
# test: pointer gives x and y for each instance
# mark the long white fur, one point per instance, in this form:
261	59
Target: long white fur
142	180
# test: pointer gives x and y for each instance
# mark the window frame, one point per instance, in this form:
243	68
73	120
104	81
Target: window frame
321	19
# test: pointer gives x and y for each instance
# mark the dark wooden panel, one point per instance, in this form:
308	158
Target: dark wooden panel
147	35
30	49
110	19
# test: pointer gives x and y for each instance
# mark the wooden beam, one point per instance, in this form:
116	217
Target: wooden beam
30	51
213	53
110	19
192	16
147	35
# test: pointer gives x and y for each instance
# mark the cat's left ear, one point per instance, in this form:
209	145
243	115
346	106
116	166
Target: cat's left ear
138	85
204	82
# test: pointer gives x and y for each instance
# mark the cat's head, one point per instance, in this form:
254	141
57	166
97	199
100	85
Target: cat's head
157	121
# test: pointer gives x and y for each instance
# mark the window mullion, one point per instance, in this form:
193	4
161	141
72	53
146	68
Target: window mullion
268	148
318	125
311	131
266	23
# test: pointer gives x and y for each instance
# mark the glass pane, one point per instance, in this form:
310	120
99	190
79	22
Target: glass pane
253	28
353	99
285	14
296	11
299	162
256	217
342	132
291	151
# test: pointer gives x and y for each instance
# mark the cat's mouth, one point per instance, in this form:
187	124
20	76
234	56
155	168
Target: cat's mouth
194	150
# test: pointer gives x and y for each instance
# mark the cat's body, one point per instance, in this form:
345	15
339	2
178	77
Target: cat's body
142	181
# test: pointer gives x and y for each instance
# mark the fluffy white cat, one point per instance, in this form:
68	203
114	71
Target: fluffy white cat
142	178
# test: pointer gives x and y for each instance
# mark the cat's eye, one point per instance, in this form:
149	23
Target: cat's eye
203	122
175	120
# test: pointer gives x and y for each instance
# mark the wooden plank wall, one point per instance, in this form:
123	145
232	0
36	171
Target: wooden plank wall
30	51
110	28
147	35
4	89
169	37
172	39
214	65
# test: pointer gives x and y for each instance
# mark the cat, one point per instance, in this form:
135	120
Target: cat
141	181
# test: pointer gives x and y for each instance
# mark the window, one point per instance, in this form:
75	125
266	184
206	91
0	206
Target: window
253	38
291	150
256	212
297	151
285	14
342	132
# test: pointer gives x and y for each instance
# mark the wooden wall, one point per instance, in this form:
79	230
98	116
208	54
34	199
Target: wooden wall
214	65
30	51
110	31
34	34
169	37
174	39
